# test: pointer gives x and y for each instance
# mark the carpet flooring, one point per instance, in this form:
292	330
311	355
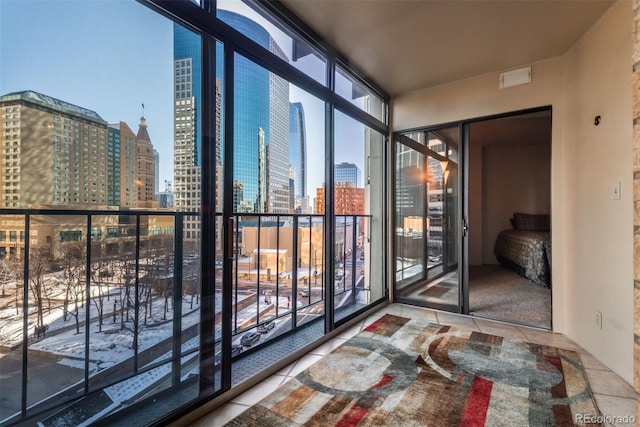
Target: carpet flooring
498	293
404	372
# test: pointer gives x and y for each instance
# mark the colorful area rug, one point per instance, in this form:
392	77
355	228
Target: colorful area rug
403	372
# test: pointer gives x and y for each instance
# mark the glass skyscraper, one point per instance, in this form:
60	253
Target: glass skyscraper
261	127
187	54
298	149
187	126
347	173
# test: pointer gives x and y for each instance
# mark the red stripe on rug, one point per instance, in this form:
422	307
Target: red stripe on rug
375	325
386	379
353	417
475	411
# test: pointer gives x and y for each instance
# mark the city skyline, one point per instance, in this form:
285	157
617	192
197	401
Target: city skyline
135	50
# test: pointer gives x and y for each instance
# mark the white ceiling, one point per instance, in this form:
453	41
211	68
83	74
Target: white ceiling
404	45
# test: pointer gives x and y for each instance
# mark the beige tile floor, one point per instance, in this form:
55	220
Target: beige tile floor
614	396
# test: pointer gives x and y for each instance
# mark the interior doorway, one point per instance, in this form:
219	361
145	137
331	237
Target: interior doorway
509	207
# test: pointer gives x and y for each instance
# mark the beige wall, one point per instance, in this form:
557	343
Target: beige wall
599	230
515	178
592	252
635	83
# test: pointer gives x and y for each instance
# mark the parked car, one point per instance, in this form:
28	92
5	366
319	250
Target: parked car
250	338
303	293
236	349
266	327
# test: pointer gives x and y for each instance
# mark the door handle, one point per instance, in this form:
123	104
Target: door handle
230	235
465	227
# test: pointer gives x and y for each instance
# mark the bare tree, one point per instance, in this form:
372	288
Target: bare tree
40	260
158	270
15	273
73	263
191	272
100	272
124	276
6	275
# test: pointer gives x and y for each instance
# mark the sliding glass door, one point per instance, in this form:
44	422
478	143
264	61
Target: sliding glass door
428	218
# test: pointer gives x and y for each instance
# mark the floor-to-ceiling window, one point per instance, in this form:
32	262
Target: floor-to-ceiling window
185	202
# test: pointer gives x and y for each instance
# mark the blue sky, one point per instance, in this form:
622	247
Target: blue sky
113	56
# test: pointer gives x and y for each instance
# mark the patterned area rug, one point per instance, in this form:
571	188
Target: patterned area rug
403	372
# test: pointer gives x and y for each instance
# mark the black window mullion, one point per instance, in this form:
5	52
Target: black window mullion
136	300
25	313
330	221
87	312
207	216
361	79
257	272
228	217
358	114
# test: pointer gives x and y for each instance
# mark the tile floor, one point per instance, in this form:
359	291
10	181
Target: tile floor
614	396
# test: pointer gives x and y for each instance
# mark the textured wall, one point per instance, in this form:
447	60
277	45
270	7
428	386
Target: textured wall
636	185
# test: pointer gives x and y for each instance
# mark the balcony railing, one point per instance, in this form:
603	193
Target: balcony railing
118	313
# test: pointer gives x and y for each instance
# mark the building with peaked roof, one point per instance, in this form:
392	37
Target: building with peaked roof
145	164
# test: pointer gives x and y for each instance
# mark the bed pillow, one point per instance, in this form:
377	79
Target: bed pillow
532	222
513	223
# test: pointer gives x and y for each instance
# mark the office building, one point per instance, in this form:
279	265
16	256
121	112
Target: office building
298	151
348	199
347	172
187	127
128	165
261	126
55	153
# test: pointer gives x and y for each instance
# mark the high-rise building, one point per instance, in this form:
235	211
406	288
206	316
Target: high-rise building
278	144
261	127
55	153
113	166
298	148
261	203
187	134
348	199
128	166
261	114
187	127
292	184
346	172
409	181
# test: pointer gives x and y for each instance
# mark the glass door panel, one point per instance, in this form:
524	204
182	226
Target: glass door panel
411	226
427	219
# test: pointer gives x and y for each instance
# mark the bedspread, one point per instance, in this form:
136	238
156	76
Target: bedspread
530	250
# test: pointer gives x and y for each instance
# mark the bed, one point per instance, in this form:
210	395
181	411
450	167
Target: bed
526	248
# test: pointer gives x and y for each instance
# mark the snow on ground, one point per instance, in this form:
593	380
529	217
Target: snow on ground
114	344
